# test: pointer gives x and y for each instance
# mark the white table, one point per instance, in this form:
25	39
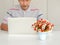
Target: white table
5	39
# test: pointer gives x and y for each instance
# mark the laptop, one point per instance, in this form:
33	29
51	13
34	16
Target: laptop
21	25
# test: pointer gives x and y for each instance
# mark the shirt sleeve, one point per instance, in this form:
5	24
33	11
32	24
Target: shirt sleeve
40	15
5	19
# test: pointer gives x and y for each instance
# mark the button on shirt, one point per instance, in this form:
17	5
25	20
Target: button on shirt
18	12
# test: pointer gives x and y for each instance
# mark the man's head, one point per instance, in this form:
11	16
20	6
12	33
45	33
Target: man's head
24	4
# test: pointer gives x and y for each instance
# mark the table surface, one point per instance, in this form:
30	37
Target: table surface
6	39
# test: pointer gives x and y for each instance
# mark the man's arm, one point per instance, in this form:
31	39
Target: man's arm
4	27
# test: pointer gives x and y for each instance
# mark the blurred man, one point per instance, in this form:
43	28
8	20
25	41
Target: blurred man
22	10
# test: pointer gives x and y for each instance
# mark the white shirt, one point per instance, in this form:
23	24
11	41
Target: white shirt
18	12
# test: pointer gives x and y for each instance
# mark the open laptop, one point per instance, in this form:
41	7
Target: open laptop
22	25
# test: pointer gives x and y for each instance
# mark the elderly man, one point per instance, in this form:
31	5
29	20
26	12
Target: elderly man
22	10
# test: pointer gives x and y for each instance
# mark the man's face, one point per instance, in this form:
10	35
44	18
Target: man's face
24	4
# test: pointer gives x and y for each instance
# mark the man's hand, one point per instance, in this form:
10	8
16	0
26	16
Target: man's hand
4	27
0	26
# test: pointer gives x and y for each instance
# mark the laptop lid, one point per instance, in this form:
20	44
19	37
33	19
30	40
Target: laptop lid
22	25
